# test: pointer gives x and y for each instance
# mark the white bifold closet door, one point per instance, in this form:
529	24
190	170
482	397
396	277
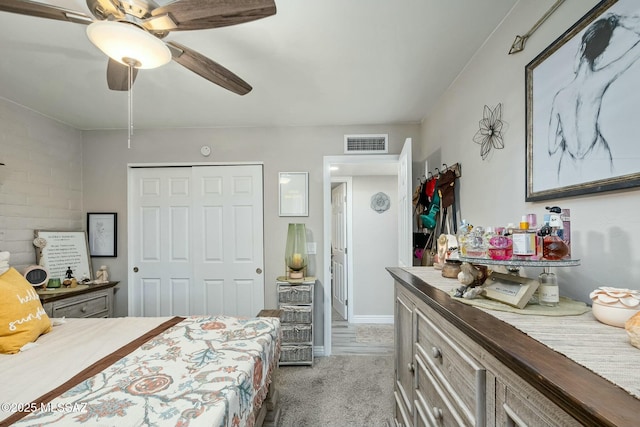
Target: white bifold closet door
196	240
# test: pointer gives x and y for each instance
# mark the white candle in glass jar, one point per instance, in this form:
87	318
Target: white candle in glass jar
296	261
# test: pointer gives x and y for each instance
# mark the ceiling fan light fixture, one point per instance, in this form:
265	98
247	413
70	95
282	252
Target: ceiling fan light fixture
125	42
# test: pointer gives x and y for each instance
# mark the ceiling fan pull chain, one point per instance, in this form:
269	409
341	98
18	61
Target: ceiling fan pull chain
130	99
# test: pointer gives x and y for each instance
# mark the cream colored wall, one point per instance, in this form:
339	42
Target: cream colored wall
375	246
280	149
605	226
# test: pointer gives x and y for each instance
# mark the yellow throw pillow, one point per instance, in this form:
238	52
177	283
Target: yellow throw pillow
22	318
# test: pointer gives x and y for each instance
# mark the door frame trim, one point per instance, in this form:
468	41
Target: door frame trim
326	194
189	164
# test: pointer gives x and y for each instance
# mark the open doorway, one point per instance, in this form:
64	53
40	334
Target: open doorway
401	164
351	184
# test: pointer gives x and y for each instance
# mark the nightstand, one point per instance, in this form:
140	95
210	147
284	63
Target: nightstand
83	301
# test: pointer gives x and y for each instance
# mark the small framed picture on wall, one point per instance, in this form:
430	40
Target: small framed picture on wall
293	193
102	232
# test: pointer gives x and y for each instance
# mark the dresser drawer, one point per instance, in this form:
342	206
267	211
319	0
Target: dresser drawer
433	407
518	404
458	374
402	417
90	305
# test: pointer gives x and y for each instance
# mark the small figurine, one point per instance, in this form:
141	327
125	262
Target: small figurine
442	244
473	275
102	276
467	274
69	274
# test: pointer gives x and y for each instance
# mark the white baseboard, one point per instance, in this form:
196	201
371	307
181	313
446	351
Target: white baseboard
318	351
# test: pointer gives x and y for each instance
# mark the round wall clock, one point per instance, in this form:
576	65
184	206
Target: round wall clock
205	150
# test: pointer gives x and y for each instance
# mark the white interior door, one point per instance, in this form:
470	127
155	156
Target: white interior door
339	279
196	240
228	239
405	207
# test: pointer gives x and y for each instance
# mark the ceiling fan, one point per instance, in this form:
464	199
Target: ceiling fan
142	24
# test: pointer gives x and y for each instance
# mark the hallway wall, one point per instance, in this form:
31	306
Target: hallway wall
375	246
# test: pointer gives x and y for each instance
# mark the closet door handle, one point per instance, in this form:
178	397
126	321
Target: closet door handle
258	270
135	269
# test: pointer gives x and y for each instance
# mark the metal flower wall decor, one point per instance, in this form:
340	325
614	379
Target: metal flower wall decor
380	202
490	133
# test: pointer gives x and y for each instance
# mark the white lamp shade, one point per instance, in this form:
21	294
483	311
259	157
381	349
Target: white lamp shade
120	40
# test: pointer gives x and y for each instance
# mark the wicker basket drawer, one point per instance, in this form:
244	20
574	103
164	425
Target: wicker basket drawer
296	353
296	333
296	314
301	294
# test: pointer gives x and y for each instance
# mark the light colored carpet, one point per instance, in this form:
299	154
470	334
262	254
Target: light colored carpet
338	391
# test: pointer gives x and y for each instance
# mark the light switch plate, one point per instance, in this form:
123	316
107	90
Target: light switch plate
311	248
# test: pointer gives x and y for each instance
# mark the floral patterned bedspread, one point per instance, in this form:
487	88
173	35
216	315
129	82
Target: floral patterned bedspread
204	371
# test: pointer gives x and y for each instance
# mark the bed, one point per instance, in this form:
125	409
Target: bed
194	371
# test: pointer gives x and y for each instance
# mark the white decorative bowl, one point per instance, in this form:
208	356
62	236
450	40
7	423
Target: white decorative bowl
613	314
614	306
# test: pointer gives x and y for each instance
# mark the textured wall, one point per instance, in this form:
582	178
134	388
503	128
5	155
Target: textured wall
44	188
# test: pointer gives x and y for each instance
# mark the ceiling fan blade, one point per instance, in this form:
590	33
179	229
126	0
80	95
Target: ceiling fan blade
202	14
41	10
118	75
208	69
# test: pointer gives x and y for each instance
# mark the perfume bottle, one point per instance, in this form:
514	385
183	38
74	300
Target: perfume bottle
548	292
500	245
553	247
476	243
525	241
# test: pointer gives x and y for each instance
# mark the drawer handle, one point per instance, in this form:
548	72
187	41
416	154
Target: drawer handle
410	367
84	309
437	413
436	353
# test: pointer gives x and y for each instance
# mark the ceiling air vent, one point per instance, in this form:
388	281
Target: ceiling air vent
366	144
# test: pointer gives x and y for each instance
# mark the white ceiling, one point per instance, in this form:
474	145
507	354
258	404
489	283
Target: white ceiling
316	62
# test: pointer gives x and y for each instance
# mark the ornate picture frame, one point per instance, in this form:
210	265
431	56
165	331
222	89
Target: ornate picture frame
581	121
